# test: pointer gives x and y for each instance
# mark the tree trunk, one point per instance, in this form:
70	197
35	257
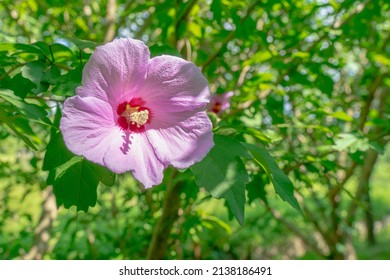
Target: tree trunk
364	184
42	231
159	243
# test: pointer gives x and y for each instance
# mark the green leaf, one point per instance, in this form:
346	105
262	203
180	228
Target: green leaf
61	53
271	134
227	144
223	174
19	85
159	49
282	184
341	116
31	111
6	59
77	183
256	189
195	29
66	84
215	222
45	50
82	44
51	75
326	84
56	153
216	9
381	59
19	47
258	57
34	71
257	134
10	123
300	55
351	142
74	179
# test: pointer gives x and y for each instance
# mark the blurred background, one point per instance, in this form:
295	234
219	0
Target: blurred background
311	83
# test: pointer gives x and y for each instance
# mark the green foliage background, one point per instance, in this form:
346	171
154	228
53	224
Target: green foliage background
311	101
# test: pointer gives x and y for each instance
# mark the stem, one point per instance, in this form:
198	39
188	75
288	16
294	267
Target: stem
11	70
159	244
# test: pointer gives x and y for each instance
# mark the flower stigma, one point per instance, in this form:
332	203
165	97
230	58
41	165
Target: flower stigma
132	115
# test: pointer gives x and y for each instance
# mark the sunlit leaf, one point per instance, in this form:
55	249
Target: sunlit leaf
282	184
223	174
351	142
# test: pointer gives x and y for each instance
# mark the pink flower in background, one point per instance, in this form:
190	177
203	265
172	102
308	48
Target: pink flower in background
220	102
139	114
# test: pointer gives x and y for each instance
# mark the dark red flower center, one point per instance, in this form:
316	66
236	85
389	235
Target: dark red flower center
217	107
133	115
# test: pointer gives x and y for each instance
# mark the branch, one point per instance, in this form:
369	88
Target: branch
110	21
305	239
369	162
367	105
364	179
159	243
309	214
181	18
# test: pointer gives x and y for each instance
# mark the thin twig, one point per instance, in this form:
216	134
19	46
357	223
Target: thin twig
11	70
305	239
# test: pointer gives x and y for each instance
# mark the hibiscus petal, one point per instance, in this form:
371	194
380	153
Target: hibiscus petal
87	126
133	152
115	70
223	100
174	85
184	144
89	130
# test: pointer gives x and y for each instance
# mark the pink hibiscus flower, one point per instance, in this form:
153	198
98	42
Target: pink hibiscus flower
139	114
220	102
